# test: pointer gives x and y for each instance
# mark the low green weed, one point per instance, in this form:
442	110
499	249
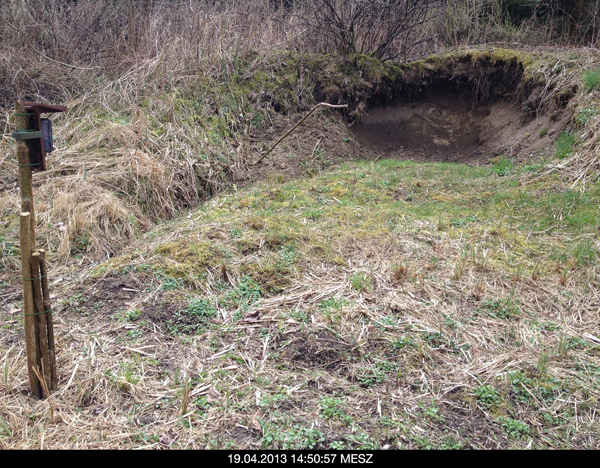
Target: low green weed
515	429
502	166
193	319
487	396
564	144
361	281
585	115
500	308
331	408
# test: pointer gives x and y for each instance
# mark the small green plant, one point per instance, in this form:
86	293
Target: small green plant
564	144
363	441
361	281
450	443
462	222
520	383
135	333
193	319
502	166
432	412
450	322
404	341
244	294
543	132
487	396
314	213
371	377
288	254
435	339
331	408
248	289
290	438
299	315
585	115
574	342
505	308
199	307
547	326
591	79
337	445
333	303
515	429
131	315
74	300
171	284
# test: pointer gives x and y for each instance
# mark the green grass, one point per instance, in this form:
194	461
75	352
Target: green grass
591	79
451	199
564	144
503	166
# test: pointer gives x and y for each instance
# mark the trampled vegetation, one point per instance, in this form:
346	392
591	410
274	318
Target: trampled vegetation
419	270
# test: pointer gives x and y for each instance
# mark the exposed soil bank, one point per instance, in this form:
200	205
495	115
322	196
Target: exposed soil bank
468	108
443	124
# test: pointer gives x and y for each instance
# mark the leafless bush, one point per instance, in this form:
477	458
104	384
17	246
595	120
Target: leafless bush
384	29
470	22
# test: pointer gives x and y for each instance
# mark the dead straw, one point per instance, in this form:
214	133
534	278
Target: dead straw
344	106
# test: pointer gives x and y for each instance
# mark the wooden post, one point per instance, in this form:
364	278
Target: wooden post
27	240
39	330
49	319
25	177
31	341
42	326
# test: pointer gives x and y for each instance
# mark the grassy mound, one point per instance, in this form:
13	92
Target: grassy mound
147	145
378	305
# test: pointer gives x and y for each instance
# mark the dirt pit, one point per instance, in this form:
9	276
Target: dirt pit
442	124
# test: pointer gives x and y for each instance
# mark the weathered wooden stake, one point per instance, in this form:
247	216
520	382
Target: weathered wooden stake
25	177
42	326
49	319
31	341
36	334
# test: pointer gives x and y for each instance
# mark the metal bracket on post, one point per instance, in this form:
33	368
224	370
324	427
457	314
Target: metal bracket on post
26	134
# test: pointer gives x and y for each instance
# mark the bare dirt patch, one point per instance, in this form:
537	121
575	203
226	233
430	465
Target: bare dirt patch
318	351
445	125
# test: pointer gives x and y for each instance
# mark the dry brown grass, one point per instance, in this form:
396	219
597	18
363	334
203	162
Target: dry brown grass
140	98
131	138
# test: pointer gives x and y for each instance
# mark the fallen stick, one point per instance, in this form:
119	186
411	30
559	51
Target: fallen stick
341	106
